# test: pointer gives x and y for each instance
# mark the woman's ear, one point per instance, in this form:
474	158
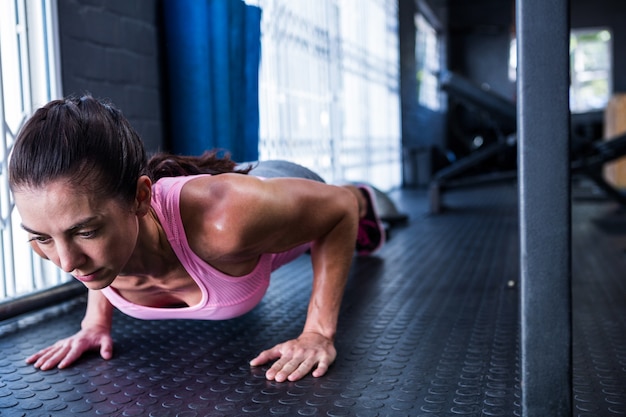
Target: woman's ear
143	195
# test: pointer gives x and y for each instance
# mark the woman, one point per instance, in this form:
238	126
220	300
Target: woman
179	237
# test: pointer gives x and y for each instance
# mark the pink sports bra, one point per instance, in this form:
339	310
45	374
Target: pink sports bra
223	296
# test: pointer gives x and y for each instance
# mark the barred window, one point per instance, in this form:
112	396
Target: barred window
29	77
329	88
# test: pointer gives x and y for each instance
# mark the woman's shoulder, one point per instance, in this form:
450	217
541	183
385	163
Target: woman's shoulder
179	181
217	214
207	197
187	189
223	188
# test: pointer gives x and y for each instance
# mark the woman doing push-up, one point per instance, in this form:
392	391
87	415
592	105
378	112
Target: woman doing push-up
180	237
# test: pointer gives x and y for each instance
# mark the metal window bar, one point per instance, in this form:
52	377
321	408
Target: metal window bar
29	77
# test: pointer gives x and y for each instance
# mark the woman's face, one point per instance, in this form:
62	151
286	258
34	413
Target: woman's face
88	236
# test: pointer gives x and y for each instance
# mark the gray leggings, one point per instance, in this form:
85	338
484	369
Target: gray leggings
277	169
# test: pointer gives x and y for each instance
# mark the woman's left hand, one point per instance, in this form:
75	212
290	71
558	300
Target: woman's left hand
297	357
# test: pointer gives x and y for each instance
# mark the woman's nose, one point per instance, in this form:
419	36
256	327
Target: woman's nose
70	257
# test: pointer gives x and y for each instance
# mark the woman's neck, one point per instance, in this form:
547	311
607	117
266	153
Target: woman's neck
153	255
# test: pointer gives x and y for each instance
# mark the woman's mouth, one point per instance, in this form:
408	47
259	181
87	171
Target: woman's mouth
88	277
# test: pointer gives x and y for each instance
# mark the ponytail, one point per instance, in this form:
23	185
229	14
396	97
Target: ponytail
167	165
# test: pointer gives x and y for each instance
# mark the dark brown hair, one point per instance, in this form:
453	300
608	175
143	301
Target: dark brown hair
168	165
92	145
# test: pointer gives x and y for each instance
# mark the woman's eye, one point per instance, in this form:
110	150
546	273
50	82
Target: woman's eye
87	233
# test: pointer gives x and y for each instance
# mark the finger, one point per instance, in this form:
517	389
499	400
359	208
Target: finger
301	371
106	348
276	373
322	368
33	358
52	358
266	356
74	352
43	356
281	370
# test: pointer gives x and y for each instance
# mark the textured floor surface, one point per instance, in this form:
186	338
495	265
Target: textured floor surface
429	327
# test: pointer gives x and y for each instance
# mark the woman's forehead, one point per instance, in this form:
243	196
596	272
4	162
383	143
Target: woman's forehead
54	193
58	205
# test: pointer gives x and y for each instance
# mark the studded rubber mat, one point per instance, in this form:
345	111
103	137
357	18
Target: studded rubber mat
429	327
599	298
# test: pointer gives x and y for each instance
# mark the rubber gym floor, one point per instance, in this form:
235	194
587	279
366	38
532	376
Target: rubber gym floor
428	327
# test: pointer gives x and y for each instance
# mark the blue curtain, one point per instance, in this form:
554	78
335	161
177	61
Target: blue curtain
213	50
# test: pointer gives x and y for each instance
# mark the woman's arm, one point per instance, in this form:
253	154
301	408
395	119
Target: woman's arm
95	333
99	311
276	215
331	256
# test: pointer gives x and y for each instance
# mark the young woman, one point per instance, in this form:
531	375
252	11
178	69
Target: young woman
180	237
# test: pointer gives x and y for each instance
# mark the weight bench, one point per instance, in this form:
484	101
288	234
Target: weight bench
587	160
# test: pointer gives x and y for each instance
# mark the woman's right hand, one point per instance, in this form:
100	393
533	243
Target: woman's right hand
66	351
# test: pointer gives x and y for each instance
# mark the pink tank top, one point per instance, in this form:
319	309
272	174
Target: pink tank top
223	296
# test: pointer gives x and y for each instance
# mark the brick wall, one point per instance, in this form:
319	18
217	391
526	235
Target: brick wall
110	48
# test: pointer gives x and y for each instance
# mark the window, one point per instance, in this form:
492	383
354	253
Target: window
29	77
591	71
329	89
590	67
513	60
428	63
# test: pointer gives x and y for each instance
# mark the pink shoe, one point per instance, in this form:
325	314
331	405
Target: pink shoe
371	233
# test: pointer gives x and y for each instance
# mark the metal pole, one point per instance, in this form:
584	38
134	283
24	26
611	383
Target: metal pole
545	211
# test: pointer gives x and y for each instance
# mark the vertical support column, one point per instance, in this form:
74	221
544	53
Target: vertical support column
545	211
